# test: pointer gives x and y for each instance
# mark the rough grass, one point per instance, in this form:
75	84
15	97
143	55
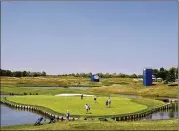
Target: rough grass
77	106
99	125
158	90
106	85
49	81
7	89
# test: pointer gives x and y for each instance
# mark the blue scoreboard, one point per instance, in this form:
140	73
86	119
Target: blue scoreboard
147	77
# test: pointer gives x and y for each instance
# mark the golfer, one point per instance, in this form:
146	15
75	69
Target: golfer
68	115
109	102
81	96
95	98
87	108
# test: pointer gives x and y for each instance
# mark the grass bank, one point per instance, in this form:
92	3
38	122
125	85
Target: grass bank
99	125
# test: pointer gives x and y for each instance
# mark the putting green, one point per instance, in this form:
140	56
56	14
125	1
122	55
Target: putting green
76	106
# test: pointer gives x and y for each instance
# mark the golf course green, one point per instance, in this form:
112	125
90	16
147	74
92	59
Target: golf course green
76	105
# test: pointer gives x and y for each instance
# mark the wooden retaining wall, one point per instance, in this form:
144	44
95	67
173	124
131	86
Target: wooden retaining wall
36	109
116	118
142	114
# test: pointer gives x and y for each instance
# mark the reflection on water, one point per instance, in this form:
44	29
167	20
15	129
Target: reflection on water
164	114
161	115
12	116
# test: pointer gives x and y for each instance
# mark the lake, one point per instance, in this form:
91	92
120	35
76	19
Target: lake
80	88
12	116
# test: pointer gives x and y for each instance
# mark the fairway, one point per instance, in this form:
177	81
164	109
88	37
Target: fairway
76	106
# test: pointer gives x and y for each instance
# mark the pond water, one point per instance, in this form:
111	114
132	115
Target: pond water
41	87
160	115
164	114
81	88
13	116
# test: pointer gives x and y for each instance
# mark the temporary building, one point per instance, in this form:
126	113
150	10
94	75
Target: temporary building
154	78
159	79
147	77
94	78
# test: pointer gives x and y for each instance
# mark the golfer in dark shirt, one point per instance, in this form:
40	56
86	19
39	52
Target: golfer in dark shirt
81	96
95	98
68	115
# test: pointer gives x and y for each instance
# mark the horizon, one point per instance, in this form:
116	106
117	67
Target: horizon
83	37
88	72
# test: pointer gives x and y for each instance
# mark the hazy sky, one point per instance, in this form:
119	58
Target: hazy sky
65	37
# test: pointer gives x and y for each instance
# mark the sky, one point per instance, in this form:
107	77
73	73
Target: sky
70	37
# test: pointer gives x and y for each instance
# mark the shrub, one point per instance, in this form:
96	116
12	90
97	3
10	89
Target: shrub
36	93
173	85
30	94
25	93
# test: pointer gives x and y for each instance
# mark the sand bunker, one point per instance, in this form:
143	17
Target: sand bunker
72	95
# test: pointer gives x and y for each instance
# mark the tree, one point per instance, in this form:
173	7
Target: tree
162	73
177	73
140	76
166	74
133	76
162	69
122	75
3	73
155	72
43	73
24	73
107	75
77	75
172	74
17	74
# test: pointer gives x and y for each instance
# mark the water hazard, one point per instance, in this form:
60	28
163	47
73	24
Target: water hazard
164	114
75	87
13	116
160	115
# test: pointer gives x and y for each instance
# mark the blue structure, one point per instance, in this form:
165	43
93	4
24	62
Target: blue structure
95	78
147	77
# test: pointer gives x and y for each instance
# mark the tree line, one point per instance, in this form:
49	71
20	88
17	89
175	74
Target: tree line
166	74
21	73
170	74
104	75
